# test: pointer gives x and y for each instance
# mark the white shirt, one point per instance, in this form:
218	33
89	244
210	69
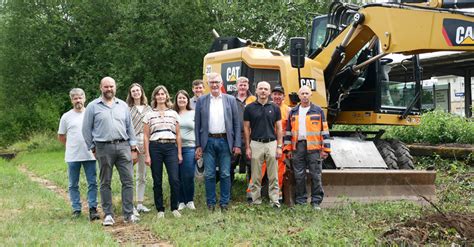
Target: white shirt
216	115
71	126
302	122
140	108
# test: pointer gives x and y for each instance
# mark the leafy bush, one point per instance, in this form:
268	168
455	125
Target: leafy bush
436	127
40	142
20	121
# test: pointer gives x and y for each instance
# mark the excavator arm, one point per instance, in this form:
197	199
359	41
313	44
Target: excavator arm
400	29
397	28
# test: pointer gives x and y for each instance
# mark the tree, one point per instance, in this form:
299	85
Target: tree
48	48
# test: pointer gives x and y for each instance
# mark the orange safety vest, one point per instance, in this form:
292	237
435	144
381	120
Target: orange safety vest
284	109
317	131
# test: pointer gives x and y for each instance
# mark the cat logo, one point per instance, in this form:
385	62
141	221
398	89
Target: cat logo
458	32
230	72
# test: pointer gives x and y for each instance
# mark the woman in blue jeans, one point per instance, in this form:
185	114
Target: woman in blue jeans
188	140
162	143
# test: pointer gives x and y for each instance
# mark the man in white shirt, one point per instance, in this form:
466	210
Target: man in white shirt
218	136
77	155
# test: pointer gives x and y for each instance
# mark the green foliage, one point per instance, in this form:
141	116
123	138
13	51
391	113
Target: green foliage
47	48
436	127
39	142
454	181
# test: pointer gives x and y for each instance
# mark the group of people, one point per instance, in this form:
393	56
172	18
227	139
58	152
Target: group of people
223	130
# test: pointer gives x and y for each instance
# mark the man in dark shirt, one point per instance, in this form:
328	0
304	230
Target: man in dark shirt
263	139
244	97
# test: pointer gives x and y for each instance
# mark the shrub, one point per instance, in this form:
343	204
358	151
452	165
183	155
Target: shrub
436	127
40	142
19	121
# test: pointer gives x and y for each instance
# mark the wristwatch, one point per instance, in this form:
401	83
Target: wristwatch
280	146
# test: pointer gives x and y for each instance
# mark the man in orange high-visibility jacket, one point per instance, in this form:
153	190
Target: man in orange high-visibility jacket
278	97
307	143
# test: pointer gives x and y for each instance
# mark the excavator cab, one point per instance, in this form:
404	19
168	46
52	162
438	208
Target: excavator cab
373	89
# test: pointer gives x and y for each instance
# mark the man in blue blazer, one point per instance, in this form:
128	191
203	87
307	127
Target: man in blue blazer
218	136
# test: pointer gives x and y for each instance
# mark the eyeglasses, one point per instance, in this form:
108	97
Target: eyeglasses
214	82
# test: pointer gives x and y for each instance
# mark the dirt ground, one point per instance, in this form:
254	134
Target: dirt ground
124	234
447	228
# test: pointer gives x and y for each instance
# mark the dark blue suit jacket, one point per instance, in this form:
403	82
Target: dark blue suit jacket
231	117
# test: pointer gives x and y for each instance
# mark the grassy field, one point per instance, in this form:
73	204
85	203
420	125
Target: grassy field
32	215
353	224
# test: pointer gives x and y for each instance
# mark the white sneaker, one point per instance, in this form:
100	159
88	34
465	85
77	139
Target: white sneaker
176	213
190	205
160	215
142	209
181	206
108	221
132	219
135	212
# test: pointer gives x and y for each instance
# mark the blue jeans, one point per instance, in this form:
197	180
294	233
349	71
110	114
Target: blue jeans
74	171
186	175
167	153
217	153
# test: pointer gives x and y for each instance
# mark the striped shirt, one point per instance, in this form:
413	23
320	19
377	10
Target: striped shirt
137	118
162	124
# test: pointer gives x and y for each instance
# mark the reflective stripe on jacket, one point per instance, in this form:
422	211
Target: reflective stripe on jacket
317	131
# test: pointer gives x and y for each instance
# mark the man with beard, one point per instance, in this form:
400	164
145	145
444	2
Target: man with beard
77	155
108	132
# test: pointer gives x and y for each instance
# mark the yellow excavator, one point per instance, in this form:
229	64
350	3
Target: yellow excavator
348	70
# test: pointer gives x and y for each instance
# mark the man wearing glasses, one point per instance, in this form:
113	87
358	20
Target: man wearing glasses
218	136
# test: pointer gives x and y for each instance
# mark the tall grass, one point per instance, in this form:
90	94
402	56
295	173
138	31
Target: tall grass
40	142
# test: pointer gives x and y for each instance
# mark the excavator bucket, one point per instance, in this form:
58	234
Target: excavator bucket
343	186
369	185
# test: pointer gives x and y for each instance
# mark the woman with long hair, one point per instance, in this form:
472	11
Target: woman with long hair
138	105
163	145
188	140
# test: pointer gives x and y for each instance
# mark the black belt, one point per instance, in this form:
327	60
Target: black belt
164	141
220	135
264	140
114	141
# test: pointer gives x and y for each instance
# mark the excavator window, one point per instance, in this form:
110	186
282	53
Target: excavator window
318	33
378	90
256	75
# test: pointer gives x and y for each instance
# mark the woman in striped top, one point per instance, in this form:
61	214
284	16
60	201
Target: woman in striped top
163	144
138	105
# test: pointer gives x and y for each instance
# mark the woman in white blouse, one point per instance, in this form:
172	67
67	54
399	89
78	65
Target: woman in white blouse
163	145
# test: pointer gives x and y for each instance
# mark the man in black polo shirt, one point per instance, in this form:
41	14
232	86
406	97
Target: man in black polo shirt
263	139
